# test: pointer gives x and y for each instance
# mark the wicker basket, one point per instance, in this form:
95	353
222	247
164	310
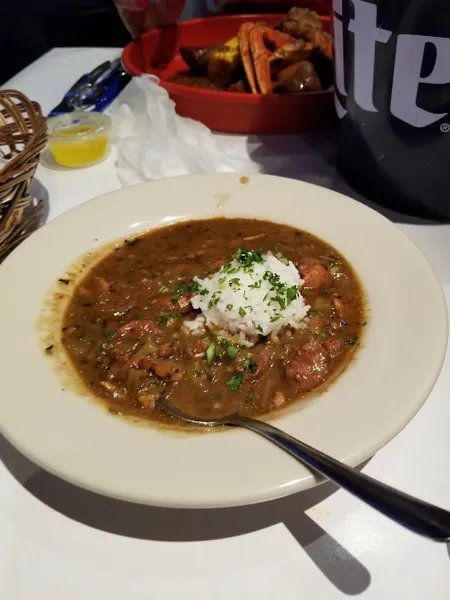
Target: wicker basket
23	134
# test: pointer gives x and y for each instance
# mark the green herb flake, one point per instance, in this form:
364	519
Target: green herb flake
250	365
109	335
248	397
163	290
164	318
247	258
140	315
235	382
211	354
179	291
291	293
196	288
232	351
280	256
281	301
235	282
260	329
228	269
229	307
214	299
313	313
242	311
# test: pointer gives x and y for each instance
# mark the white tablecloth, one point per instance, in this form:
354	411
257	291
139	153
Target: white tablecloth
58	542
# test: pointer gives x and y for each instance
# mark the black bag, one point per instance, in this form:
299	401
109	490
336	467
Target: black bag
392	75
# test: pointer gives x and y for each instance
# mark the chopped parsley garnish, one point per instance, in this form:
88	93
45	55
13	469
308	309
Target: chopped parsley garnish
229	307
229	269
250	365
291	293
280	256
235	382
140	315
163	290
235	283
273	279
196	288
260	329
313	313
284	294
242	312
247	258
248	397
255	285
281	301
109	335
164	318
214	299
179	291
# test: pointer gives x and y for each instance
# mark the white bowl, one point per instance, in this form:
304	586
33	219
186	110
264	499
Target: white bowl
75	438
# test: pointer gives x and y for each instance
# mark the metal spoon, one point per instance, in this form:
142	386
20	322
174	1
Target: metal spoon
418	516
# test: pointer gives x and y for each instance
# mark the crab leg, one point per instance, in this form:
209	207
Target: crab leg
260	38
244	46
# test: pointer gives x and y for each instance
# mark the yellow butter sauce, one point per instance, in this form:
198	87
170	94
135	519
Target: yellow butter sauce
79	139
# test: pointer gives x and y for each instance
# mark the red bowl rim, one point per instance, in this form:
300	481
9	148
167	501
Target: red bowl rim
230	97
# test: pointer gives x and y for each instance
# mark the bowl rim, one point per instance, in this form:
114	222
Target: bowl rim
384	412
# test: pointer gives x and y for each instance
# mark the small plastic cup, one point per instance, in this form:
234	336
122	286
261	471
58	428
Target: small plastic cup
79	139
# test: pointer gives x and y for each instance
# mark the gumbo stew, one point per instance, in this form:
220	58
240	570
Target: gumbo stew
132	333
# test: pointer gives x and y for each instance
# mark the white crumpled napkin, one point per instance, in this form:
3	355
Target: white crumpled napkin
153	142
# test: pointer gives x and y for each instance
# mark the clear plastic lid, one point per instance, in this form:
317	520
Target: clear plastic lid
77	126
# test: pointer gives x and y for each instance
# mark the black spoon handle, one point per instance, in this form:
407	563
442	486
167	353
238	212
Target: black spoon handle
418	516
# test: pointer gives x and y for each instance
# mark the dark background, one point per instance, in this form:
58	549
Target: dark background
29	28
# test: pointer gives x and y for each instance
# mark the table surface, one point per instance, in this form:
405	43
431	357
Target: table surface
61	542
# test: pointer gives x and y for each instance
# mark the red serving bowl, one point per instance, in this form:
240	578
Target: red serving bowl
156	52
